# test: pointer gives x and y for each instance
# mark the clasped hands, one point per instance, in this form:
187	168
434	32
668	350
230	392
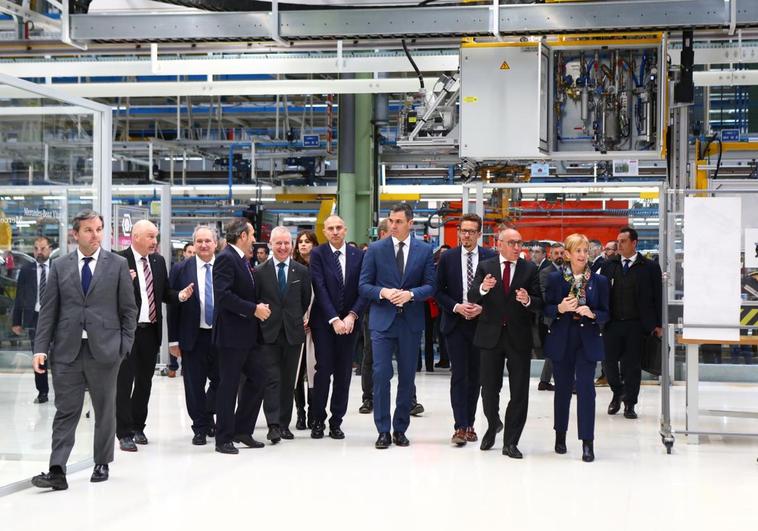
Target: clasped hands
570	304
398	297
345	325
468	310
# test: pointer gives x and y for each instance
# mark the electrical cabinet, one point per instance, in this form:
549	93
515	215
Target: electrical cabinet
580	99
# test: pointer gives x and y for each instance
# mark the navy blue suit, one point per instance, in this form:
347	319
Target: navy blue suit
24	314
235	335
199	358
396	329
334	353
575	346
459	335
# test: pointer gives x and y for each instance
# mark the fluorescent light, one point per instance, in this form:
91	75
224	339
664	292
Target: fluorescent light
19	198
54	197
298	220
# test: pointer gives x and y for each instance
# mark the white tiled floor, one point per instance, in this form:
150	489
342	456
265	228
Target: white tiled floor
328	484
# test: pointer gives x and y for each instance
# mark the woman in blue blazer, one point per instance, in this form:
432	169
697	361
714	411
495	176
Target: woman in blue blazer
577	302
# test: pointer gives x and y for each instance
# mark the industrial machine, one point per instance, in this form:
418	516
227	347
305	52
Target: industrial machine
430	117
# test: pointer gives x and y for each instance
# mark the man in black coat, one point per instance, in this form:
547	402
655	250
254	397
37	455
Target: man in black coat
507	287
636	308
285	285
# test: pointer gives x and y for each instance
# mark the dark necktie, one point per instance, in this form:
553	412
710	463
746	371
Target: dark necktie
42	281
506	277
282	279
400	258
469	270
152	313
208	295
86	274
626	265
341	275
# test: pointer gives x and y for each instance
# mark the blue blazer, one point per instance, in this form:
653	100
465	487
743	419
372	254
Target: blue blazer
331	300
450	285
591	332
379	271
234	302
184	318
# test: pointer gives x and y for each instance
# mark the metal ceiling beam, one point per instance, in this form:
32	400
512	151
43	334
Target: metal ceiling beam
416	22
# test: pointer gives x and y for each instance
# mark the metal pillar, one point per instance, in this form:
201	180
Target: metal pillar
364	166
165	248
346	170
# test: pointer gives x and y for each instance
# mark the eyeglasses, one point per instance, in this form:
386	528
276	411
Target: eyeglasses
469	232
514	243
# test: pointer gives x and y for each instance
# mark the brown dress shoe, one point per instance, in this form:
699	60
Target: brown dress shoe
471	434
459	437
171	374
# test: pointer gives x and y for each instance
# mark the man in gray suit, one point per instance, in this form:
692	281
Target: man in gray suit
86	325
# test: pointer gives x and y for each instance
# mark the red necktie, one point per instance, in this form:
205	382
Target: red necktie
506	278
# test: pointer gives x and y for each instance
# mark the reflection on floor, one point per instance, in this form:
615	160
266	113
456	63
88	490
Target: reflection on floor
327	484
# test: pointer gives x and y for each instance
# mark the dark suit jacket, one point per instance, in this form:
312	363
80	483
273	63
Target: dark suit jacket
379	271
234	302
597	264
287	311
649	288
183	319
497	306
161	289
450	285
331	299
26	296
591	331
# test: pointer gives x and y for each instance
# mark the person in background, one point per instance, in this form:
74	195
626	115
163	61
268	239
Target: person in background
610	250
353	244
596	257
32	283
188	251
554	264
576	302
261	254
304	243
221	245
444	362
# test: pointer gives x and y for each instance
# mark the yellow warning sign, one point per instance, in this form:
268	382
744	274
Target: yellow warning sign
505	66
470	99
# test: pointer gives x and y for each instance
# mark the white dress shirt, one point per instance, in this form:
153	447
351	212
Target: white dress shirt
92	264
144	310
46	265
276	267
201	272
631	259
406	249
239	251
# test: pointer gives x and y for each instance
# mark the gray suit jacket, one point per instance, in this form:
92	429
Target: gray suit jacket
107	312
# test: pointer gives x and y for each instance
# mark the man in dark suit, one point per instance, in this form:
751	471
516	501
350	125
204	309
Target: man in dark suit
285	285
397	296
553	264
636	309
455	274
596	257
508	289
86	325
334	322
32	281
151	289
190	326
235	336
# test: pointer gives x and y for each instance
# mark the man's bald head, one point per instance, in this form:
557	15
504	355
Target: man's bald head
335	231
144	237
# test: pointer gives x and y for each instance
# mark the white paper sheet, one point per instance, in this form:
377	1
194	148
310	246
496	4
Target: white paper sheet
712	234
751	248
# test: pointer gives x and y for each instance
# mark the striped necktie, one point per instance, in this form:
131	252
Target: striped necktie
152	312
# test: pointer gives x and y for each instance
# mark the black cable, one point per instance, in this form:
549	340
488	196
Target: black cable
413	64
718	162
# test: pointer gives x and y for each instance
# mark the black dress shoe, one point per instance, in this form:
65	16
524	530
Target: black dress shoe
287	435
588	452
41	398
300	423
400	439
336	433
226	448
560	442
511	451
318	430
629	412
139	437
488	439
366	407
614	406
384	441
127	444
212	429
545	386
247	440
199	439
416	409
100	473
274	434
55	479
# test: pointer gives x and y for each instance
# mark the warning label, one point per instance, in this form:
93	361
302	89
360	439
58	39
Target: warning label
505	66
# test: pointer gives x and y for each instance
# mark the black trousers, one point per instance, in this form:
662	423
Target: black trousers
233	364
334	365
465	362
199	366
279	361
547	367
623	344
40	380
492	364
135	381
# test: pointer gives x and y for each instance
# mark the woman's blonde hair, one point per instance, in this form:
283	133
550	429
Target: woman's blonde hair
575	240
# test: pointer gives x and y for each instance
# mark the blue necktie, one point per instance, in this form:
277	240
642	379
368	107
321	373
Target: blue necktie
208	295
282	279
86	274
626	265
